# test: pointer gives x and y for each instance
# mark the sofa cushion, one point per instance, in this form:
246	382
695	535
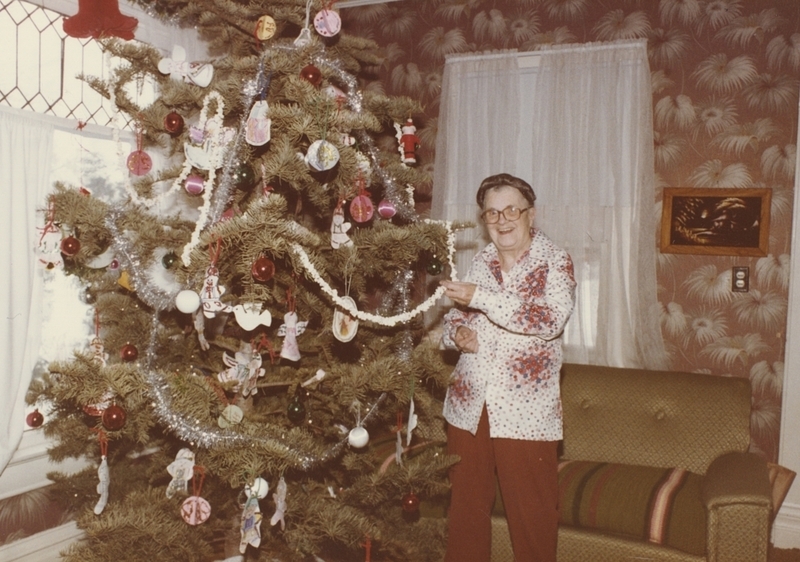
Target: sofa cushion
659	505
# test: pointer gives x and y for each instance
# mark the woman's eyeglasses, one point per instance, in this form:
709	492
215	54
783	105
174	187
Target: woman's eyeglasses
510	213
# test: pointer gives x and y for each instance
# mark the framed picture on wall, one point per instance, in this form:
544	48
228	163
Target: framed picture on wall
715	221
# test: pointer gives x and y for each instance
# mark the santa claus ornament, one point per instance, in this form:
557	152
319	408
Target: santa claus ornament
408	141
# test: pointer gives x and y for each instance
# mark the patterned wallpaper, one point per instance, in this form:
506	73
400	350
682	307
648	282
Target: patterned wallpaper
725	96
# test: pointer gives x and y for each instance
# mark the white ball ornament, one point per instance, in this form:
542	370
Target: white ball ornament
358	437
259	487
187	301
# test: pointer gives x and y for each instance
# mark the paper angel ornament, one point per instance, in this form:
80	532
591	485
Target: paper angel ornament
181	470
244	369
280	504
102	486
289	330
197	73
97	349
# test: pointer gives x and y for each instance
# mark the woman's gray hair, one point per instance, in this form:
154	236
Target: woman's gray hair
505	180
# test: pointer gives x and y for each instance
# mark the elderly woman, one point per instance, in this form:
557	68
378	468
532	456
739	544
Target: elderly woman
503	405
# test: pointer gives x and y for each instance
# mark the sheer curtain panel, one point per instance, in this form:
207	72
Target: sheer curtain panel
25	152
580	131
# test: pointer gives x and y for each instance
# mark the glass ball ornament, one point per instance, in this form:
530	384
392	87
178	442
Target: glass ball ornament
358	437
361	208
263	269
386	209
114	418
410	503
129	353
311	74
194	185
434	266
34	419
243	176
169	260
70	246
173	123
296	411
187	301
258	488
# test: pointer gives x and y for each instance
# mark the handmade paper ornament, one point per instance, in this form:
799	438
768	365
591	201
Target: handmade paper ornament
173	123
70	246
280	504
259	125
289	330
114	418
249	316
361	207
209	139
124	281
194	184
259	488
99	19
358	437
34	419
195	510
335	94
408	141
181	470
410	503
197	73
311	74
250	527
344	326
327	23
101	261
263	269
187	301
322	155
97	351
386	209
231	415
412	422
48	250
265	28
244	369
211	293
129	353
339	229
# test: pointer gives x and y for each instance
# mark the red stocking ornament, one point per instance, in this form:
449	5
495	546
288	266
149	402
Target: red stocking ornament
100	18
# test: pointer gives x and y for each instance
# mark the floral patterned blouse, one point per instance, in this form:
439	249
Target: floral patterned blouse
519	317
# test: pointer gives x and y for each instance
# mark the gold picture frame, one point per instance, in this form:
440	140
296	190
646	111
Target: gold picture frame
716	221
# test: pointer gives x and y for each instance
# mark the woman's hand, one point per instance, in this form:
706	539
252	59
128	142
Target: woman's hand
466	340
458	291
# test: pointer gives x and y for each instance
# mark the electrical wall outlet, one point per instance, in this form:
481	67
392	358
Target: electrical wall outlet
740	280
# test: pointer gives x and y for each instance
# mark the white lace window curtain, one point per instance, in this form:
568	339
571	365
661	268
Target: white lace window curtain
26	143
576	122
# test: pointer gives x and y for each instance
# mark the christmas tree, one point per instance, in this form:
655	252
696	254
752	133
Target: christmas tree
259	381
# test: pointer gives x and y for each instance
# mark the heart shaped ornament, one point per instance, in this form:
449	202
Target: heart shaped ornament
344	326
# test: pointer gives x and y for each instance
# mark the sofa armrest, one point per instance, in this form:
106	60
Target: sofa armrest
737	495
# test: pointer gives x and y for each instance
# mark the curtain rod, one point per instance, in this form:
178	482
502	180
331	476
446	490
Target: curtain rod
566	48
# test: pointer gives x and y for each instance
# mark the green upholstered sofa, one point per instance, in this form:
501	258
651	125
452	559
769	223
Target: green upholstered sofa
625	425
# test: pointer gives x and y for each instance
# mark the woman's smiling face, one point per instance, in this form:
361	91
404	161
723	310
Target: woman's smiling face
511	237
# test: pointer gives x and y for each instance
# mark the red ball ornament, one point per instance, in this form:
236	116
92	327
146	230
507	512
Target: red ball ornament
361	208
70	246
173	123
114	418
311	74
139	163
411	503
263	269
34	419
129	352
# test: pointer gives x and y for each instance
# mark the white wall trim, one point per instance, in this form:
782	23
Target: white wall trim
786	528
41	547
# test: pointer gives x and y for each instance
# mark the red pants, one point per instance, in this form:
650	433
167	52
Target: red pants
527	472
